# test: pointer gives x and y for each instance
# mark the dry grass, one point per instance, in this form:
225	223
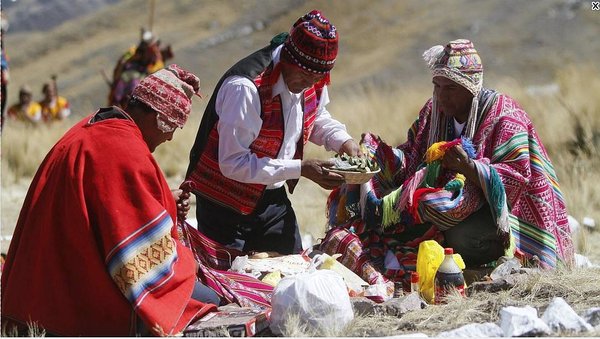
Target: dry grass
576	162
24	147
568	122
382	97
578	287
33	330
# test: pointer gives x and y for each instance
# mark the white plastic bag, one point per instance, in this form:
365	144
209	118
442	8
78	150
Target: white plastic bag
353	282
319	299
239	263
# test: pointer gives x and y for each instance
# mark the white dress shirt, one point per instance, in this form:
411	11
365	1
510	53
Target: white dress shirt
239	108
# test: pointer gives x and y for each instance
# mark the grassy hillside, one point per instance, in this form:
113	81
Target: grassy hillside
540	52
381	40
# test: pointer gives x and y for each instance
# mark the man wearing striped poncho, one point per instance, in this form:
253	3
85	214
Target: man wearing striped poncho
472	175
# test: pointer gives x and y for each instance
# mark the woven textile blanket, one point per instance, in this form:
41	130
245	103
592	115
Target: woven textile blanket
517	178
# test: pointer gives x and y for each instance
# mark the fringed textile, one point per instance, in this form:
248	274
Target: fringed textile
97	228
518	180
213	260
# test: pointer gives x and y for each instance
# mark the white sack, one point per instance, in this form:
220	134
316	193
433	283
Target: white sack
319	299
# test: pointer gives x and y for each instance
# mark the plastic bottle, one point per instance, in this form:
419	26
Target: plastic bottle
398	290
414	282
448	276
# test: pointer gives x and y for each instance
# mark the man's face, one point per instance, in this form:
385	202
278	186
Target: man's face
298	79
153	135
453	100
158	138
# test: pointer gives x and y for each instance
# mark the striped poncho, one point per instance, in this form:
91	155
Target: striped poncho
518	180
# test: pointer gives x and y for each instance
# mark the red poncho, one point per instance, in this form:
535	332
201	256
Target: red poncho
94	249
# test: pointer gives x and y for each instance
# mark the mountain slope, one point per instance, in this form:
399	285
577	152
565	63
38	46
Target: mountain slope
380	41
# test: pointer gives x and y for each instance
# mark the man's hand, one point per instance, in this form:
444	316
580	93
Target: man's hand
182	198
351	148
456	159
316	170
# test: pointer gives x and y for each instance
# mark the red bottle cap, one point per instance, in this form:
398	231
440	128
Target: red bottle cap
414	277
448	251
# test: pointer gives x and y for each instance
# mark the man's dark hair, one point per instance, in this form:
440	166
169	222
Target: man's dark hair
135	104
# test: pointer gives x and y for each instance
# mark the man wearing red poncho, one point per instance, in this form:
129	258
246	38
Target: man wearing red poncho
95	251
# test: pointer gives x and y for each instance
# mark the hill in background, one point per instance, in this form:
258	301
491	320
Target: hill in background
381	41
379	82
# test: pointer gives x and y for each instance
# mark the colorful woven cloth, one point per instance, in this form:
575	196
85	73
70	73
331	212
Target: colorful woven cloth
518	182
213	261
95	248
420	195
312	43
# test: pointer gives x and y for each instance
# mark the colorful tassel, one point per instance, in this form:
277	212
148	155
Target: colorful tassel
455	184
435	152
433	159
467	145
391	214
414	208
433	172
409	187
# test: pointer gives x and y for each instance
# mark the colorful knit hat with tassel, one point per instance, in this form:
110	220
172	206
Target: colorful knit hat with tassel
459	62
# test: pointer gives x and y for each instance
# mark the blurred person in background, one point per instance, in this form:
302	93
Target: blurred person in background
4	67
26	109
95	251
135	64
472	175
251	140
54	107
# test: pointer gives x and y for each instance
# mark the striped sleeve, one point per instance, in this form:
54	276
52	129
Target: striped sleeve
144	260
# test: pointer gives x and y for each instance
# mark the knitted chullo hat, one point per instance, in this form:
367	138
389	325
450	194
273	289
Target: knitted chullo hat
459	62
312	43
169	92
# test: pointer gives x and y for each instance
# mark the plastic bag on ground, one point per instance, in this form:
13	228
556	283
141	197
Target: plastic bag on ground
320	300
356	285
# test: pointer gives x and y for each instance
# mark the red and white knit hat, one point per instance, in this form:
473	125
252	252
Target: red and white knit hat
169	91
312	43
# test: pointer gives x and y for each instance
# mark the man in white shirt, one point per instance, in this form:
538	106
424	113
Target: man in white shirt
251	139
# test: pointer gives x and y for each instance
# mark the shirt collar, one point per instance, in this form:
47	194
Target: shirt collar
280	87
